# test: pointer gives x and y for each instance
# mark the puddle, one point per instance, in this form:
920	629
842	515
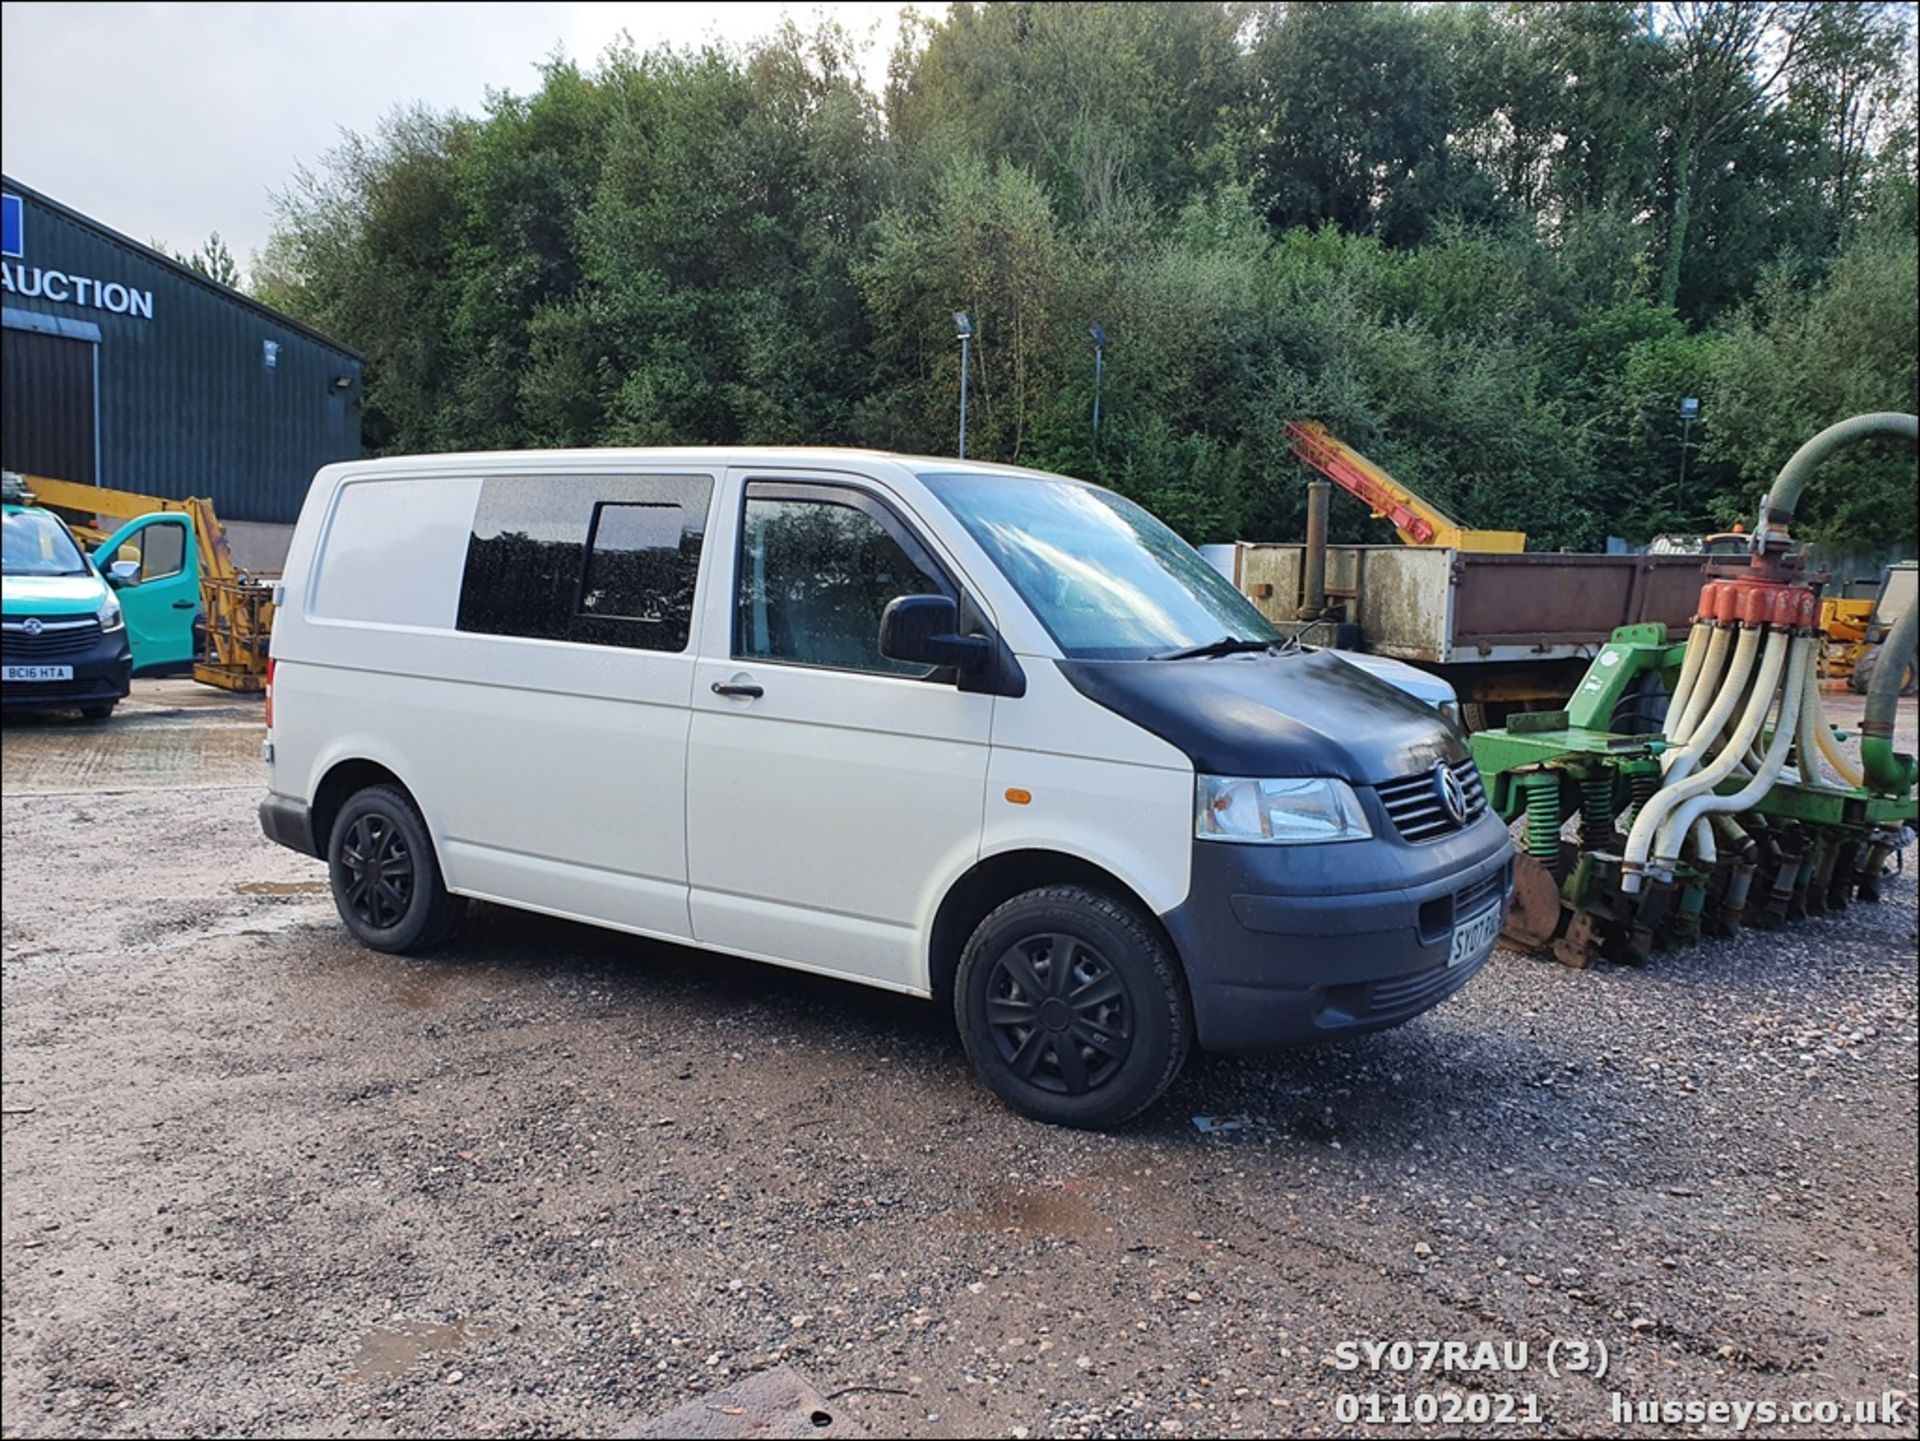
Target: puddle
281	888
1038	1211
389	1351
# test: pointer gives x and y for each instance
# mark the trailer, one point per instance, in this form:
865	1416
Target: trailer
1511	631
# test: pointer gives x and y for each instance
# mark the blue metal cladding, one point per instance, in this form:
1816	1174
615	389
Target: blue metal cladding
209	394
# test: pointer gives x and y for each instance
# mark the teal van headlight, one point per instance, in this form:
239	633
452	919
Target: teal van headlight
109	615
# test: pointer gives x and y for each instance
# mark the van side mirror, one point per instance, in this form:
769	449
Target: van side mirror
924	629
123	572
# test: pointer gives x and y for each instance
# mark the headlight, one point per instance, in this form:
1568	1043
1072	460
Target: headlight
109	615
1278	812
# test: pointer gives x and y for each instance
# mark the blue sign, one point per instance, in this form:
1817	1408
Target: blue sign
13	225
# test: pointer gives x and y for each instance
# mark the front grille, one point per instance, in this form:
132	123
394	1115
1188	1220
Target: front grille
1407	994
1476	897
1418	811
63	636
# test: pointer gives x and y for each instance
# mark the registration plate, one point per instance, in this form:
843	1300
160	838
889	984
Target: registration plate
1474	937
36	672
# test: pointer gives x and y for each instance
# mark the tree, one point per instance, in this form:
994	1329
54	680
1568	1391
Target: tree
1493	245
1355	108
212	260
1732	60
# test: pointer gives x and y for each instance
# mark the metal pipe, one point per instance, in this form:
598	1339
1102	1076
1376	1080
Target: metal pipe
1883	768
1784	495
1693	811
1683	787
965	345
1314	600
1696	655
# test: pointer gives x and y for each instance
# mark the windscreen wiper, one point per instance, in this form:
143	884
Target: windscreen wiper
1226	645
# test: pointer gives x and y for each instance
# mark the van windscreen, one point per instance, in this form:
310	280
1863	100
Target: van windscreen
1107	580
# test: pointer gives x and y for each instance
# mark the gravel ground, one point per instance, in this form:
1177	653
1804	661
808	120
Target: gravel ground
258	1180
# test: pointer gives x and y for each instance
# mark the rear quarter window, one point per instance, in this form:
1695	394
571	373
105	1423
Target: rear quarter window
393	552
597	560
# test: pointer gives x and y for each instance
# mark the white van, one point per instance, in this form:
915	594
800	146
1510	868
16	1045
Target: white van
983	735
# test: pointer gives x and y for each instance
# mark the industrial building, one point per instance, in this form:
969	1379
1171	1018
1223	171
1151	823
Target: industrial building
125	368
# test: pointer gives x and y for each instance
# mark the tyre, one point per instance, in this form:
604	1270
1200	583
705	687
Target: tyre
385	876
1862	677
1072	1008
1862	671
100	711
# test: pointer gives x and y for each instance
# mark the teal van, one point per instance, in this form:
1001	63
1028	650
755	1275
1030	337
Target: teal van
72	634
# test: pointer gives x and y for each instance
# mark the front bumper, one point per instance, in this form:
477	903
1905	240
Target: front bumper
1289	944
102	672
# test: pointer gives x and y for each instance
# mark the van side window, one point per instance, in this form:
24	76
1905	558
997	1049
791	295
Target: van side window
162	550
599	560
816	571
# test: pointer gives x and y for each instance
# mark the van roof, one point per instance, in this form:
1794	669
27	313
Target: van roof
785	455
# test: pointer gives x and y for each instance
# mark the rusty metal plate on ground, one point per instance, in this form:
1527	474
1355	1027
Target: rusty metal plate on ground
1533	916
776	1403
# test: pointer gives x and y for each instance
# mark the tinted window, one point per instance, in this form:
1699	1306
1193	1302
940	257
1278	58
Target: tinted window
815	575
599	560
635	566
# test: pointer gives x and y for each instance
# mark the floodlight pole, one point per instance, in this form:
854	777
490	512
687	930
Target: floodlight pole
963	327
1099	335
1689	408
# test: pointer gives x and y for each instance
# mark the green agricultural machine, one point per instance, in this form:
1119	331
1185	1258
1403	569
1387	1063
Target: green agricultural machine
1702	783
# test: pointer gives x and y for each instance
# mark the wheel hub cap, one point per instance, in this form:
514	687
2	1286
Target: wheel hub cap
1059	1014
376	868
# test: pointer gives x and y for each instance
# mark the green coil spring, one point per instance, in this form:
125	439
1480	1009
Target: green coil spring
1596	810
1641	786
1542	791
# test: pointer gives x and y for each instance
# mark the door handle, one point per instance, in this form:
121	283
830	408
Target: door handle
750	692
185	604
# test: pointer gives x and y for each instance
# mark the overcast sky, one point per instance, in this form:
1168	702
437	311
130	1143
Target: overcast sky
174	120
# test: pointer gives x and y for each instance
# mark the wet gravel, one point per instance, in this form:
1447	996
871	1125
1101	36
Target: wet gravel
258	1180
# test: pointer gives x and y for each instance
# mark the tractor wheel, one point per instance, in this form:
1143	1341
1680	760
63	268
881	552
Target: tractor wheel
1862	678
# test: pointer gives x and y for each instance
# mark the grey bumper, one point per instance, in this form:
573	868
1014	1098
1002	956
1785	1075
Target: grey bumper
1289	944
287	822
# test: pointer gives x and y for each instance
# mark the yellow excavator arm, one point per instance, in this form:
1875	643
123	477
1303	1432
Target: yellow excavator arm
1417	520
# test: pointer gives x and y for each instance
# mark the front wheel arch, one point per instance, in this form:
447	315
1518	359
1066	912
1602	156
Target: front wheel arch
999	878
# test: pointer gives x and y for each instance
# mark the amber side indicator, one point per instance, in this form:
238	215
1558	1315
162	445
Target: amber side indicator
1018	797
